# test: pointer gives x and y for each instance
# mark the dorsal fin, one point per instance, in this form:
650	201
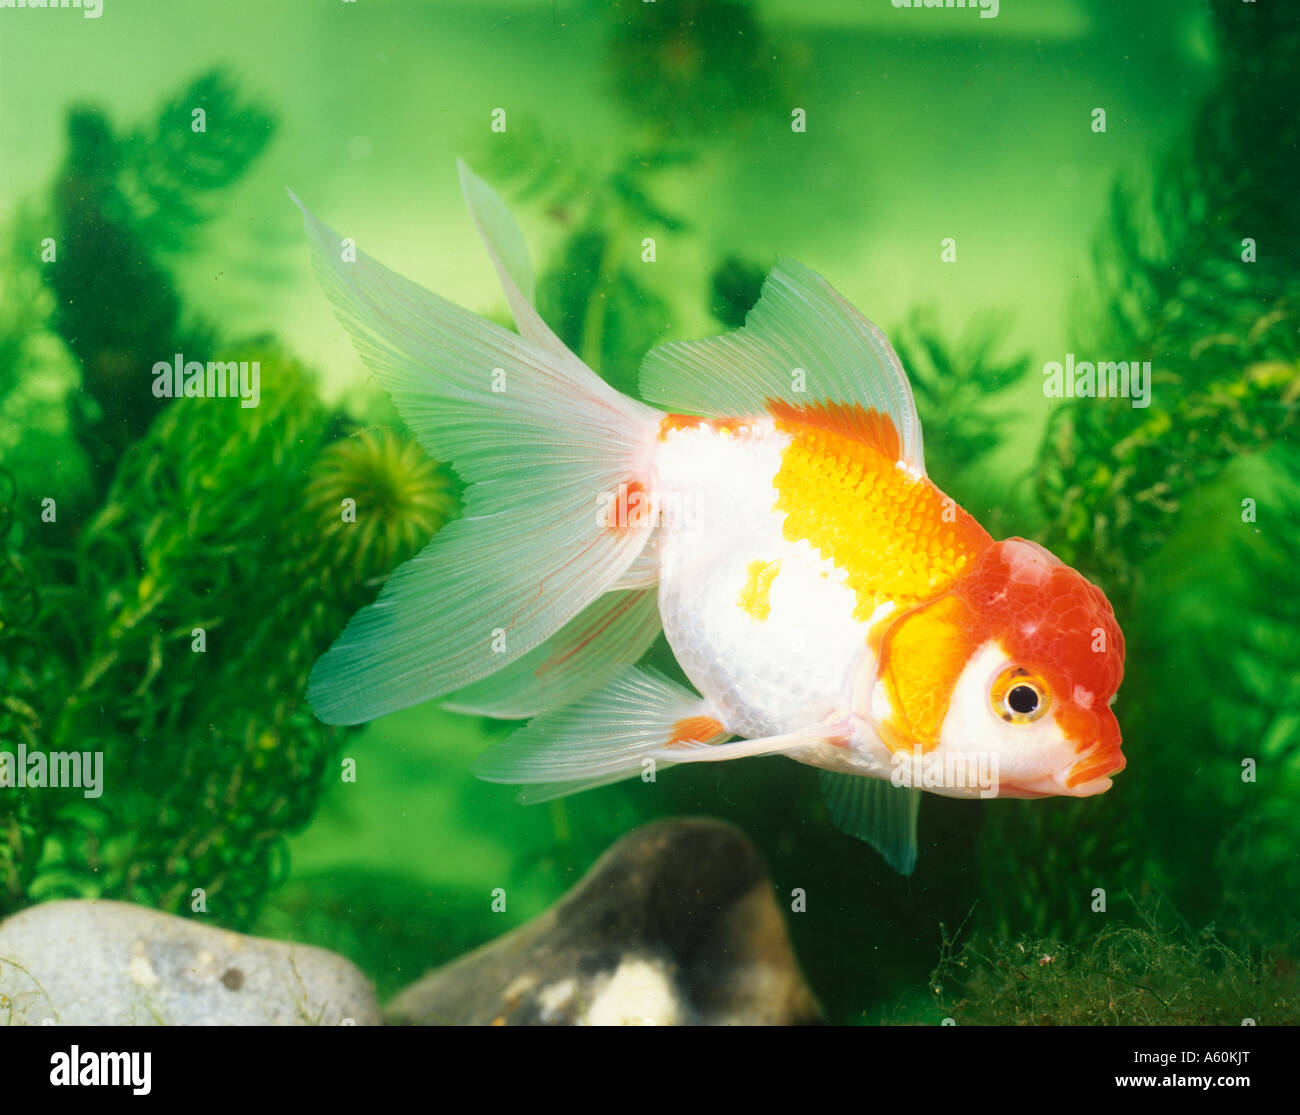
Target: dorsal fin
800	323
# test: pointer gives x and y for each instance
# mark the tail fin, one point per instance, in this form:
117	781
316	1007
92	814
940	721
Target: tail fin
542	442
598	643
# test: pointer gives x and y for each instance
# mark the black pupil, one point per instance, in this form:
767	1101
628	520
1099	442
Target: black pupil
1022	699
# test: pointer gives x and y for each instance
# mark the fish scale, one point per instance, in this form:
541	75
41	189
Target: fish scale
769	675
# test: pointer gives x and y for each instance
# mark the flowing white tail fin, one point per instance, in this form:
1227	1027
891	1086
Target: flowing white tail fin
542	443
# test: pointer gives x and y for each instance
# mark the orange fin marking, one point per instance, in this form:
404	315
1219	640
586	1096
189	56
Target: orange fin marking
696	729
558	659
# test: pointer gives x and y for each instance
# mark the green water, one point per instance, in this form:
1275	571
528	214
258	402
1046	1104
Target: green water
920	126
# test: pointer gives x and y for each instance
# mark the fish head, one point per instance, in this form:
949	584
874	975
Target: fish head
1040	686
1011	672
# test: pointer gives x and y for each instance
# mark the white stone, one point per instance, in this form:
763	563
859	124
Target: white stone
100	963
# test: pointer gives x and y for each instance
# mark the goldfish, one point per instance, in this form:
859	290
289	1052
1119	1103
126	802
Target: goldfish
765	505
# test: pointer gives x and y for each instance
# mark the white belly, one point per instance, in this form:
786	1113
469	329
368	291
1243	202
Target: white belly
772	660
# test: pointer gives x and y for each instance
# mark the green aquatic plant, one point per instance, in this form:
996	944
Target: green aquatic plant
1188	276
1119	482
593	291
691	69
713	71
183	627
121	202
1180	503
1236	818
600	308
166	613
956	386
27	670
398	498
37	371
1122	976
735	286
170	170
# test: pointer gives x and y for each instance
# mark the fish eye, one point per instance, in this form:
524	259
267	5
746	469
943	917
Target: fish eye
1018	696
1022	699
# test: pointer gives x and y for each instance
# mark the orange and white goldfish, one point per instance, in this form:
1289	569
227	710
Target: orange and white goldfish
774	519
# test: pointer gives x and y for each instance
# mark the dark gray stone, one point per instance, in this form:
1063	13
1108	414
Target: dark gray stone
675	924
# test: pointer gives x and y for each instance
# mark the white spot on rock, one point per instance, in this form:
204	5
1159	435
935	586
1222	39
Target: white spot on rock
519	987
138	967
555	998
639	993
205	967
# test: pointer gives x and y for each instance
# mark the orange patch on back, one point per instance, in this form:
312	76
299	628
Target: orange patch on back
897	537
696	729
850	420
671	422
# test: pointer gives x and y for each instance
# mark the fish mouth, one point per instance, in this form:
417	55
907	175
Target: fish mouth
1091	774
